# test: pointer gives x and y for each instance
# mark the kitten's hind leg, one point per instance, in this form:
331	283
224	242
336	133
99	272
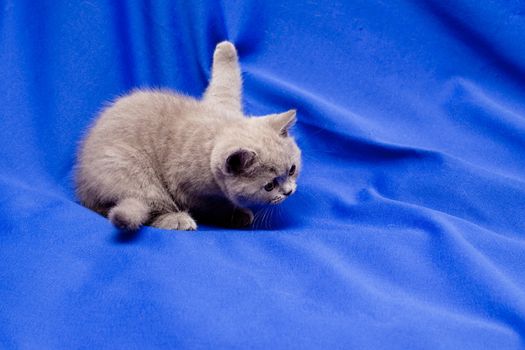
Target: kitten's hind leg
175	221
129	214
226	83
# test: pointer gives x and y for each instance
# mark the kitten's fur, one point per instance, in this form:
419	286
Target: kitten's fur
159	158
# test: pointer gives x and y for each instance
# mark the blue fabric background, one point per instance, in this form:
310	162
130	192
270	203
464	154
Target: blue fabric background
408	229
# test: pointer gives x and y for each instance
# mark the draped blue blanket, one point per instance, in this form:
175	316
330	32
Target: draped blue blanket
408	227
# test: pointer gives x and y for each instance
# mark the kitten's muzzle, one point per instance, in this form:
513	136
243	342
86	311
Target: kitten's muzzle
288	188
277	200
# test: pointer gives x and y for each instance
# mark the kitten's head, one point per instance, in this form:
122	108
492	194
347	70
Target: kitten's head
259	162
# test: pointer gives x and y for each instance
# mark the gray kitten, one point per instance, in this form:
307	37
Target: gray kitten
158	158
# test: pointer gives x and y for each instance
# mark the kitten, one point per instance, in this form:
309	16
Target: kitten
162	159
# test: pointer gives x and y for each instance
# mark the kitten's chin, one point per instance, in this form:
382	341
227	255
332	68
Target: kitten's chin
240	201
245	202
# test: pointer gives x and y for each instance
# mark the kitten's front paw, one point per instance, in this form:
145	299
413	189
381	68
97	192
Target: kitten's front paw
175	221
242	217
225	51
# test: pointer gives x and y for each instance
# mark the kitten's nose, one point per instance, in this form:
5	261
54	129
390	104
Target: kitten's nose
288	193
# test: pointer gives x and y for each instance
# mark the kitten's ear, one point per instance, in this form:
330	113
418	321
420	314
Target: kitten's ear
282	122
238	161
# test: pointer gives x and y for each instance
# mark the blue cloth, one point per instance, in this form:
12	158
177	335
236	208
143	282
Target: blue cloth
408	228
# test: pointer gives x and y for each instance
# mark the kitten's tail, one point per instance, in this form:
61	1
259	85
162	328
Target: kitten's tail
129	214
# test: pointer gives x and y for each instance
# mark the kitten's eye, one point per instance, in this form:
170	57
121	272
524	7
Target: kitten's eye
292	170
269	186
